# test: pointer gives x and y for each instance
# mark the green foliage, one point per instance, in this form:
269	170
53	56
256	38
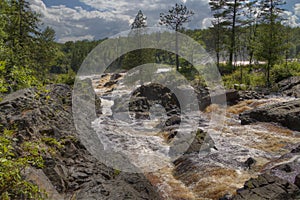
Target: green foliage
68	78
283	71
175	19
250	80
19	77
116	172
12	167
76	52
139	21
52	142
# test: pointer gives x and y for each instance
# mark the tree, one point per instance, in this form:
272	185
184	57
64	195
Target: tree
218	29
233	7
22	29
175	19
46	51
139	21
226	19
252	14
138	56
272	33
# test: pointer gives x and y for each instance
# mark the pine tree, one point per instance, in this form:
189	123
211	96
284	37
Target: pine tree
217	7
272	33
138	56
139	21
175	19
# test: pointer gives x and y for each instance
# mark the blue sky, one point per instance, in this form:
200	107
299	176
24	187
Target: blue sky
97	19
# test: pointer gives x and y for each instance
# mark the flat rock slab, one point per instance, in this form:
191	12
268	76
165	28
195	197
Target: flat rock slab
286	114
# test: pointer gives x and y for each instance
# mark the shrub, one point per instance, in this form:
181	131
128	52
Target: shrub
68	78
12	166
282	71
250	80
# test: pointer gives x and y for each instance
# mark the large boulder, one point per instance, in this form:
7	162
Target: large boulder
286	114
229	97
72	171
290	86
267	187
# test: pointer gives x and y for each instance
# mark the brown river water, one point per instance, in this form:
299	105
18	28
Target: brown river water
201	175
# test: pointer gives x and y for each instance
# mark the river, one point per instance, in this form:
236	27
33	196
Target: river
208	174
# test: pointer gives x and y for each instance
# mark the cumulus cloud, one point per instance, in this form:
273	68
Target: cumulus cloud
207	22
97	19
297	9
108	17
76	23
292	19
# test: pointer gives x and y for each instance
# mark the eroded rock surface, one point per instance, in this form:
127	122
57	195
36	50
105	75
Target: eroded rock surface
286	114
290	86
73	171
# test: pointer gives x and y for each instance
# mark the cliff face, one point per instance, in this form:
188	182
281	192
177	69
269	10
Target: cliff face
71	172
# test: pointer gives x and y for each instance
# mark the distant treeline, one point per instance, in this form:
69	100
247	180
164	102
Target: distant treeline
31	57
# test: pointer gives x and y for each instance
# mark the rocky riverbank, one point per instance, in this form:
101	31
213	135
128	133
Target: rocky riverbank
71	173
253	151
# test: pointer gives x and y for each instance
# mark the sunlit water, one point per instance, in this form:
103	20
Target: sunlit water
204	175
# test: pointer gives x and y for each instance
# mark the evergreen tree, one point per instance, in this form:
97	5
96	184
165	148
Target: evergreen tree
139	21
271	35
138	56
175	19
218	9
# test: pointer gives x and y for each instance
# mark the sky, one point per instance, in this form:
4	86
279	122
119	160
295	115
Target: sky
97	19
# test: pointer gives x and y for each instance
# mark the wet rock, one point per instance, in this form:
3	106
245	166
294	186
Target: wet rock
249	162
267	187
72	170
290	86
286	168
110	83
246	95
115	76
226	197
174	120
296	150
286	114
232	97
297	181
197	142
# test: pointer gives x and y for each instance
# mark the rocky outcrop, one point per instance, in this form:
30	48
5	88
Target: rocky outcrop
246	95
290	86
286	114
72	170
267	187
280	179
230	97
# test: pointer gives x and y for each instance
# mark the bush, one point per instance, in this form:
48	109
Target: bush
12	183
250	80
283	71
18	78
68	78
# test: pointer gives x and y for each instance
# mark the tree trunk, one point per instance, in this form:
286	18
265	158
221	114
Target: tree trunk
177	51
232	45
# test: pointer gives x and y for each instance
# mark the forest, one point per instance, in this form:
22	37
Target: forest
252	43
254	32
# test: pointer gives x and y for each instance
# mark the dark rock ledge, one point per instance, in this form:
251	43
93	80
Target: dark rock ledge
73	172
286	114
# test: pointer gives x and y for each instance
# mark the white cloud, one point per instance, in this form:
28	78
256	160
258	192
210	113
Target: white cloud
206	22
105	18
71	38
109	17
77	23
292	19
297	9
